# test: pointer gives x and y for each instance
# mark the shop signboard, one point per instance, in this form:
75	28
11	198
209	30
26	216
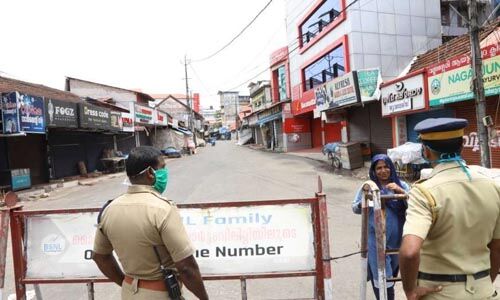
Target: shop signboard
297	125
60	114
10	113
451	80
31	113
339	92
116	121
20	179
161	118
369	81
127	122
251	239
94	117
403	95
144	115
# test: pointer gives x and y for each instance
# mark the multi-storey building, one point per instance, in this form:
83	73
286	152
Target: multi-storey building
329	39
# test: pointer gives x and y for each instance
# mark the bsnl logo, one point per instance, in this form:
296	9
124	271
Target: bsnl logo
471	141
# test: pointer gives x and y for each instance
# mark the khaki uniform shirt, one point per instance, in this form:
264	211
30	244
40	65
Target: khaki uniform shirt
467	220
135	222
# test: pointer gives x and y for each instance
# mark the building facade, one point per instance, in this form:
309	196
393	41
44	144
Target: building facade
333	41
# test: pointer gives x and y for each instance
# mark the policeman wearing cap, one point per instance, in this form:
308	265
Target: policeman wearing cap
451	238
146	233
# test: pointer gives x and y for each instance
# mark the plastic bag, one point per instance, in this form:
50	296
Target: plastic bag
407	153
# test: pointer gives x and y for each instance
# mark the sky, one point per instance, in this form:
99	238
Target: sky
140	44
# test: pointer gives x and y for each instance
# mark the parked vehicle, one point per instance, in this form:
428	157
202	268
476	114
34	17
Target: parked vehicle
171	152
333	152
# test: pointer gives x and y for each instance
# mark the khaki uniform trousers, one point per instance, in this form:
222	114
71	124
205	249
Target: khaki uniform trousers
481	289
132	292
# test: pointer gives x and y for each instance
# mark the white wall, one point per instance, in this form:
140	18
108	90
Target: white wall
381	33
123	98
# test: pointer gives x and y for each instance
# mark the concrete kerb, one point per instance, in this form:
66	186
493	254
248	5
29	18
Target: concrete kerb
41	191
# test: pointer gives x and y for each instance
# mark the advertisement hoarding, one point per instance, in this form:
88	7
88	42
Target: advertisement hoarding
60	114
94	117
228	240
451	80
403	95
31	113
161	118
116	122
339	92
144	115
10	113
369	81
127	122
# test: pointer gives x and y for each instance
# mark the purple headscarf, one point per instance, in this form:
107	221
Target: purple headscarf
392	178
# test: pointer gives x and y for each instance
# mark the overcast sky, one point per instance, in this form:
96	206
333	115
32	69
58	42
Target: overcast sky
139	44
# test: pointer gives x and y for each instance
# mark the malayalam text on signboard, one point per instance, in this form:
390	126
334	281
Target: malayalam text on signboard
31	113
10	113
451	81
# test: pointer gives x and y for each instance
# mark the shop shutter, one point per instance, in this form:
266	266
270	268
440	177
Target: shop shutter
125	142
471	152
333	132
380	129
66	149
144	139
358	129
29	152
317	140
279	133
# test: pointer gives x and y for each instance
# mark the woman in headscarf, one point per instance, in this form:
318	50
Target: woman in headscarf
383	173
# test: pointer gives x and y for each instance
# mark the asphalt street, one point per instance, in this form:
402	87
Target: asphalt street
224	173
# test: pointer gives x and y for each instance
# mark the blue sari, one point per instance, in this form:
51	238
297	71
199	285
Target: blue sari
395	218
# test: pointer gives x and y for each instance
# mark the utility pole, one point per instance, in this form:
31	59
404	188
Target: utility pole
189	102
478	84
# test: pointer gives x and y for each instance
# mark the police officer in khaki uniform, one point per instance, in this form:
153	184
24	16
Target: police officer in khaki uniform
451	238
136	223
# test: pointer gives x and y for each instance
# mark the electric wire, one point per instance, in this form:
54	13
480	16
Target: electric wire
237	36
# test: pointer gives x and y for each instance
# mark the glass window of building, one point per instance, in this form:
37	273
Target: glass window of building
325	68
319	20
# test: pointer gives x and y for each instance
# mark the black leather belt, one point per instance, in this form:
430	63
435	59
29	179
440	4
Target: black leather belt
451	278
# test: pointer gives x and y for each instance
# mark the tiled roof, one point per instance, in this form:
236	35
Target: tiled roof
14	85
138	92
163	96
457	46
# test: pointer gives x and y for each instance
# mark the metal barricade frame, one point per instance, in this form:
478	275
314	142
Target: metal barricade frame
322	273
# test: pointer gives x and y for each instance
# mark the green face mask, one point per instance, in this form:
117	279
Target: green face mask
161	179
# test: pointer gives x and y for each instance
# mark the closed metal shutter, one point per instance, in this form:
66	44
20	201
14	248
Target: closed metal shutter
144	139
380	129
279	133
358	123
125	142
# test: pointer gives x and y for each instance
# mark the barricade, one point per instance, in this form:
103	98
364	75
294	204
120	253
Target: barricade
275	238
372	192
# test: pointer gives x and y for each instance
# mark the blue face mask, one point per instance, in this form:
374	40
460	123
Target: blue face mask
161	180
449	157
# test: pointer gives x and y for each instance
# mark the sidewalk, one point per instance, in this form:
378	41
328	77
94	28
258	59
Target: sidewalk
316	155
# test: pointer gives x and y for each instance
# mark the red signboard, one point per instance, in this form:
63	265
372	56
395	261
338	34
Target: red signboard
305	104
297	125
196	102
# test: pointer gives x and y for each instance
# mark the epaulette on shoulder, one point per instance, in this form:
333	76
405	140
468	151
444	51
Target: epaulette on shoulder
419	181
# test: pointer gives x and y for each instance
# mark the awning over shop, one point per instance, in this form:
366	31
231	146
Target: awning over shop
269	119
184	131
